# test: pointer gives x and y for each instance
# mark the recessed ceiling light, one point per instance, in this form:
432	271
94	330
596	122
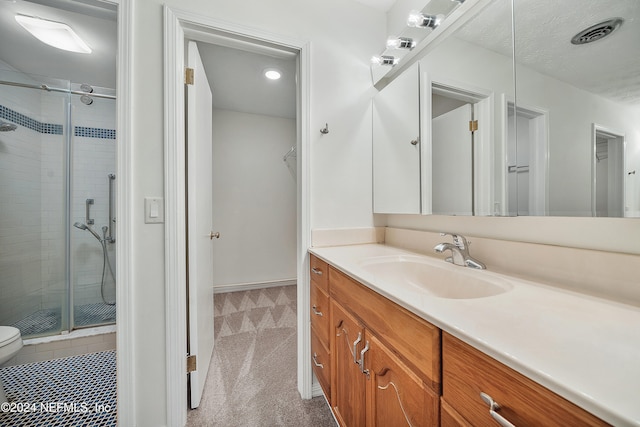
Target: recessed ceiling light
272	74
56	34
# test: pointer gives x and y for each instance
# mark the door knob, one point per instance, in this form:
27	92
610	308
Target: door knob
212	235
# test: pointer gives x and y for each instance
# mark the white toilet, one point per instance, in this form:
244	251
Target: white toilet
10	345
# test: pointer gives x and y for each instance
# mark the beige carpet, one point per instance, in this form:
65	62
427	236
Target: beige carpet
252	377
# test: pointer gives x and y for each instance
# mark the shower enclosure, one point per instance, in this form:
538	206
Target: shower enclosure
57	223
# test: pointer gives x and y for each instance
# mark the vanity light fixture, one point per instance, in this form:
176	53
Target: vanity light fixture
401	43
56	34
384	60
420	20
272	74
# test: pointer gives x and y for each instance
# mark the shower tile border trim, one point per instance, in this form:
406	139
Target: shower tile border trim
7	113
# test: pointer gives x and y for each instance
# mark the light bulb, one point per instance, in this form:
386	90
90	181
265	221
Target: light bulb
401	43
420	20
272	74
384	60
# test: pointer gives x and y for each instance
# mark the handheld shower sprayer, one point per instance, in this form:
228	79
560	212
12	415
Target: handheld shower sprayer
82	226
106	264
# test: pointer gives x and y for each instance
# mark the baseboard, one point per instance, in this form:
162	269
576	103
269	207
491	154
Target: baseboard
316	390
220	289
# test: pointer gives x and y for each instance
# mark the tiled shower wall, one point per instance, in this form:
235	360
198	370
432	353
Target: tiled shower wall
94	158
32	220
25	158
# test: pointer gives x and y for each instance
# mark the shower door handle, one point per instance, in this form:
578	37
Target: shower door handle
87	213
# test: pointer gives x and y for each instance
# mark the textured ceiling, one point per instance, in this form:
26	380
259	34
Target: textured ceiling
544	28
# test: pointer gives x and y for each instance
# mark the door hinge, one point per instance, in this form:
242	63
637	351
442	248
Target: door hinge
188	76
191	363
473	125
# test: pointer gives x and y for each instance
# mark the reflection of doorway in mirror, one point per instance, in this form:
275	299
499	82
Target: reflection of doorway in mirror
608	186
459	141
527	154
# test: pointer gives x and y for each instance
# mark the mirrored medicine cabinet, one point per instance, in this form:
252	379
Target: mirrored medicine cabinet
472	129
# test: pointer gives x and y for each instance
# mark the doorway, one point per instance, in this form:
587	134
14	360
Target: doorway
461	128
527	153
180	26
608	185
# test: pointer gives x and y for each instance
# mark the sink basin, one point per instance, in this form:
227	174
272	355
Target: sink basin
438	280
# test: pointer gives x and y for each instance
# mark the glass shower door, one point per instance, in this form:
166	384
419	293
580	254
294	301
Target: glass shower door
34	294
93	205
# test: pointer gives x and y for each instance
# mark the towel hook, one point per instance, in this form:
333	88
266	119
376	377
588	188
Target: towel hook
325	129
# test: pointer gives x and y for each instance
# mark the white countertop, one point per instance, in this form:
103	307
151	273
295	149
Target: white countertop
583	348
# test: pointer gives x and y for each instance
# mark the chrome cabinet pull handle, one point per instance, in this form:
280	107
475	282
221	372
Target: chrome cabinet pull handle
316	312
316	271
355	345
315	361
493	410
364	350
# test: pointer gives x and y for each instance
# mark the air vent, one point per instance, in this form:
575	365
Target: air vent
597	32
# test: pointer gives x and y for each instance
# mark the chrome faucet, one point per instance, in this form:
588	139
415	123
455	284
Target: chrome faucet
459	252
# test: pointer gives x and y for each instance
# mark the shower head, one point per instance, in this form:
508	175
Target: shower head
82	226
7	127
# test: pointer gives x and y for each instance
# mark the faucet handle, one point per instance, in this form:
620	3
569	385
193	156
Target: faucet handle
458	239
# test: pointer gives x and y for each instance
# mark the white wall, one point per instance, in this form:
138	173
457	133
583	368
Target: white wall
254	198
343	36
570	140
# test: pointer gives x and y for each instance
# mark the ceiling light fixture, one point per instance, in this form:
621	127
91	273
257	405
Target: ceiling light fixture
420	20
384	60
272	74
401	43
56	34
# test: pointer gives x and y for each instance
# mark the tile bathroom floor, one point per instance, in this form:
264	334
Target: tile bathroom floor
68	392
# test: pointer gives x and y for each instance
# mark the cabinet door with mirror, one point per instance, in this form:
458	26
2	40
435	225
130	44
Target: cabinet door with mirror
462	93
577	138
567	145
396	146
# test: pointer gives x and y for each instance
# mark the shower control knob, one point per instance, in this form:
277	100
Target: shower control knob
212	235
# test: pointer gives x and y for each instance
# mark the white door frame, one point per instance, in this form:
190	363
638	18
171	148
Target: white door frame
126	396
612	134
177	25
484	147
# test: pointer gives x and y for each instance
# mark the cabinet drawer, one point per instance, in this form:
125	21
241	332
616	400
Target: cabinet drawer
467	372
320	313
318	270
321	362
413	338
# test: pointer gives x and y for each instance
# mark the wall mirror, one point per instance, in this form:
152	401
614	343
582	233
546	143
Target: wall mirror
456	103
576	150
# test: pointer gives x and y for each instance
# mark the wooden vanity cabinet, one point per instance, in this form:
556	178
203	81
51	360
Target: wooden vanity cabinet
320	323
386	360
467	372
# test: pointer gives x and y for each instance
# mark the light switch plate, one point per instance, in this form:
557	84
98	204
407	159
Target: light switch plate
153	210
